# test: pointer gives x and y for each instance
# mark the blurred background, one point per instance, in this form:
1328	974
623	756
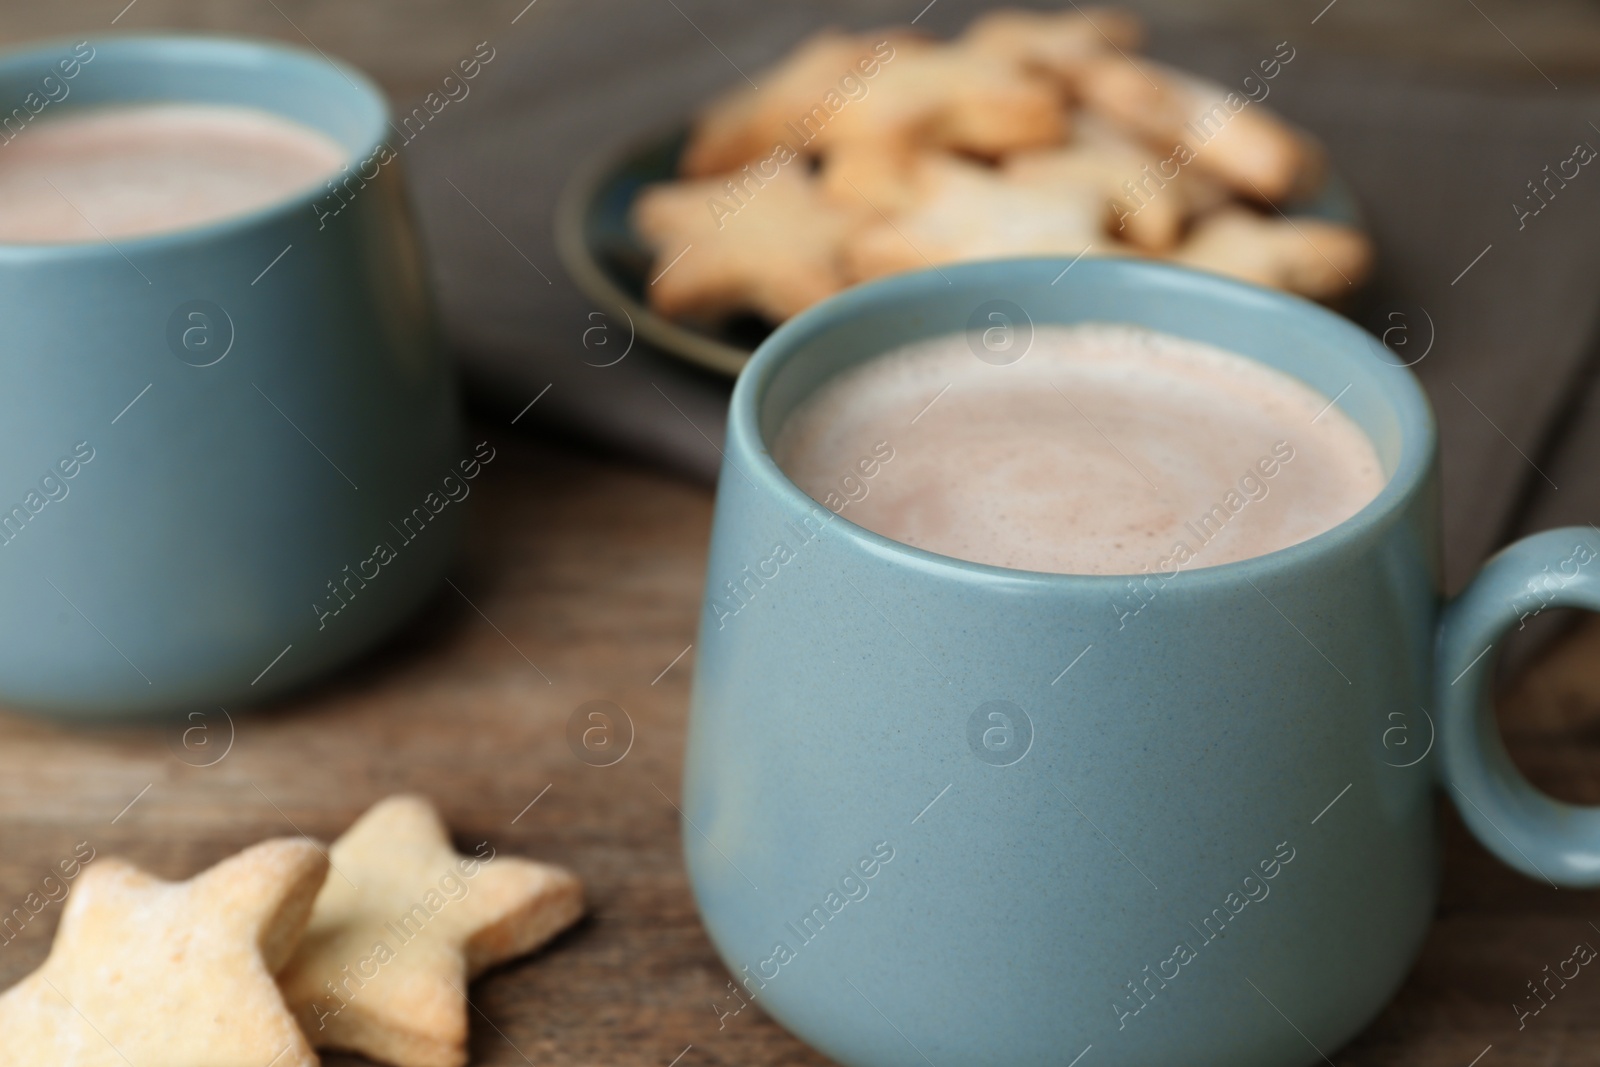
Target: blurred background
405	44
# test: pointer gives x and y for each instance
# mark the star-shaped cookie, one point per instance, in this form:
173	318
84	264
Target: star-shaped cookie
1220	130
1056	42
1149	199
150	973
745	124
885	87
1311	257
964	211
401	927
766	240
948	96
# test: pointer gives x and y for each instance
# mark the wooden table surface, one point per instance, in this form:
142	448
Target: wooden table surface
591	571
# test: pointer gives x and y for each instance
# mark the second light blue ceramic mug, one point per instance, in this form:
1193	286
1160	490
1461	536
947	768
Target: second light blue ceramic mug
940	813
229	454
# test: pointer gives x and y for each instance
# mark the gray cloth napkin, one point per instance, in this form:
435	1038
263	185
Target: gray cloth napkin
1507	304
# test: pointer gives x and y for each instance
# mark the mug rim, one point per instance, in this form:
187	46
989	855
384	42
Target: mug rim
1418	435
153	45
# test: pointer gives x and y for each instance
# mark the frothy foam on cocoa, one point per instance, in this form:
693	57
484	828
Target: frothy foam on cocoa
1107	449
128	171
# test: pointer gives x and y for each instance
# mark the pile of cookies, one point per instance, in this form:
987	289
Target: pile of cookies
367	947
1032	133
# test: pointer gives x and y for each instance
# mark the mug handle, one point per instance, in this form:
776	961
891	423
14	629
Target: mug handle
1534	833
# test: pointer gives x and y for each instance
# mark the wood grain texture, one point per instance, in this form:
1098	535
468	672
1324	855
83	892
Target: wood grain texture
592	572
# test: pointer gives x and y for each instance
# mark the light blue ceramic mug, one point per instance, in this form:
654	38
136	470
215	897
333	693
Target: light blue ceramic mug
229	454
942	813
